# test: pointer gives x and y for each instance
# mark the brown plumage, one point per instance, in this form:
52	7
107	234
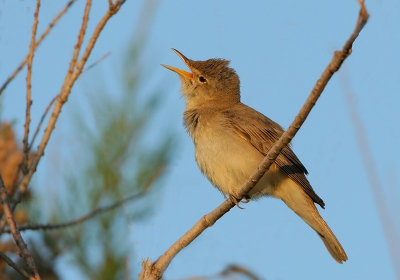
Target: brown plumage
231	139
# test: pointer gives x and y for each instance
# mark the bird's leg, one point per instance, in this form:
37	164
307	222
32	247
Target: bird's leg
237	200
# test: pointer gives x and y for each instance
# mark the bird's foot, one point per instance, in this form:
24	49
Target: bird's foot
237	200
247	199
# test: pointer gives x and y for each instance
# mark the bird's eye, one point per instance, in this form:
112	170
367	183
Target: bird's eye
202	79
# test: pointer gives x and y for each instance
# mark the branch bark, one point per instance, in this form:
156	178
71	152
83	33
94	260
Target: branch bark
40	122
80	39
80	220
29	88
41	38
14	265
26	255
61	100
154	271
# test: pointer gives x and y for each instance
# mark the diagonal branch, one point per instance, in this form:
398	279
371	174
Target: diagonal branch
16	234
96	62
61	99
156	270
371	170
14	265
44	34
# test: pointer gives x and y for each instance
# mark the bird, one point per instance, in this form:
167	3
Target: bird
231	139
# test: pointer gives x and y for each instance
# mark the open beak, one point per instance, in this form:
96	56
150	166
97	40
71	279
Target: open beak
181	72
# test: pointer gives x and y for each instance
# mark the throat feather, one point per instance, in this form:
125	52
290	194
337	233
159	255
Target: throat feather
191	121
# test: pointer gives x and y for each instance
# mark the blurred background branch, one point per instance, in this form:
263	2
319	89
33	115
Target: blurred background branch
118	164
387	212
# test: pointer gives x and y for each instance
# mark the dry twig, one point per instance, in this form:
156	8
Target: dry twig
15	232
95	212
29	88
44	34
14	265
96	62
41	121
155	270
61	99
80	220
81	35
12	187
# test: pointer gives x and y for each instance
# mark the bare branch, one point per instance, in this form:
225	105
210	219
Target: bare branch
41	121
61	99
81	35
95	212
80	220
29	88
96	62
44	34
156	270
15	232
12	188
120	3
14	265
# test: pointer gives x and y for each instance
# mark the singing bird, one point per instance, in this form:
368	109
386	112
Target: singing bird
231	139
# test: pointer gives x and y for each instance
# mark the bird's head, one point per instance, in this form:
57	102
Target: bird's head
211	83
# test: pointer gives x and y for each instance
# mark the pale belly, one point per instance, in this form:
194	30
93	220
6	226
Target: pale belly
228	161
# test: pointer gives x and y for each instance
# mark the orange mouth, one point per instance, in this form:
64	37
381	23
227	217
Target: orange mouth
180	71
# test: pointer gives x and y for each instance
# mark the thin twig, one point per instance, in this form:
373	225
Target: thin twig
81	35
96	62
80	220
95	212
41	121
44	34
29	89
120	3
11	188
62	98
26	255
155	271
14	265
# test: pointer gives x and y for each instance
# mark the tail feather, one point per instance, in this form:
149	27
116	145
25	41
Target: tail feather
299	201
332	244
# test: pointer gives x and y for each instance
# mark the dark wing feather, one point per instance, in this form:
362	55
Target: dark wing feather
262	133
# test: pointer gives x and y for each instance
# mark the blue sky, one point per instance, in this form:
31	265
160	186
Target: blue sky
279	49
